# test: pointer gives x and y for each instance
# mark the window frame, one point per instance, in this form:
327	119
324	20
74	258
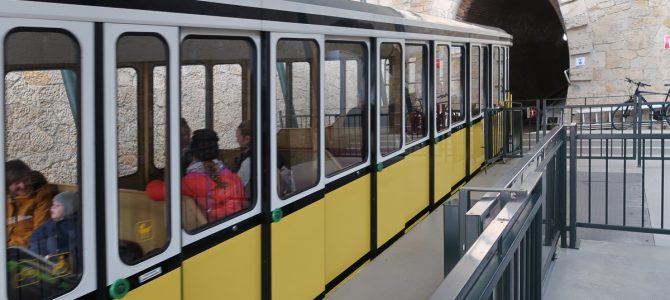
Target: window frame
426	95
482	99
465	101
275	200
447	130
116	268
381	158
255	40
82	34
366	162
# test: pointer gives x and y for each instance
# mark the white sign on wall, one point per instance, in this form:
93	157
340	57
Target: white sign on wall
580	61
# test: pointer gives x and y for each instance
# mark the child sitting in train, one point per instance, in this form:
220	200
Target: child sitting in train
59	234
28	201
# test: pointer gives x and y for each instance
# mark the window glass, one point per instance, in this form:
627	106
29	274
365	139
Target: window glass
297	113
457	67
127	134
442	88
42	164
143	209
497	87
345	105
159	117
390	102
416	101
217	153
484	92
475	82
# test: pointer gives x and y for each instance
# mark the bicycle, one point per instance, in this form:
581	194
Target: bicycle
625	114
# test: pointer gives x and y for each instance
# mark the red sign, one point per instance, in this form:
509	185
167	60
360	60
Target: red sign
667	42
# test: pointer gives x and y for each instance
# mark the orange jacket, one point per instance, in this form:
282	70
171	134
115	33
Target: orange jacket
26	213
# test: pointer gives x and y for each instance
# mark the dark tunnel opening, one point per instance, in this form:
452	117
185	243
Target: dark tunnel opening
539	54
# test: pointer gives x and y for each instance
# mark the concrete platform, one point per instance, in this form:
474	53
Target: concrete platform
607	270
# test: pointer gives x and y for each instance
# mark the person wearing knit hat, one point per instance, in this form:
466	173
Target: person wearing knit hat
59	234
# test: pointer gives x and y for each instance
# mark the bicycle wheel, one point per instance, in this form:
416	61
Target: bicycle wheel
622	117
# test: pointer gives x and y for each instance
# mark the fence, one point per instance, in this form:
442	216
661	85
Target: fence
503	244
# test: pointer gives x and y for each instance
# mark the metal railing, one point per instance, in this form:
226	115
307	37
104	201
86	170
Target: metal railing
502	245
503	128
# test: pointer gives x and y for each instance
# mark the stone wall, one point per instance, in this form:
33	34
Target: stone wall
617	39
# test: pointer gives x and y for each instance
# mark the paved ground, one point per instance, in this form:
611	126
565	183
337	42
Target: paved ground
607	270
608	265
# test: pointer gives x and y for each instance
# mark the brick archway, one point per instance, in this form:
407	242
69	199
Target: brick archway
539	54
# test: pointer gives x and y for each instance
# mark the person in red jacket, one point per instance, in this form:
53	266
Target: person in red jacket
217	190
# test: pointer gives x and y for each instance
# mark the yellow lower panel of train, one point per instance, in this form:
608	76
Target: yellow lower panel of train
166	287
477	156
347	226
298	264
416	182
391	215
455	167
230	270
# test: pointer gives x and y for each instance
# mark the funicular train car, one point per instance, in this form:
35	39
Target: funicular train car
324	131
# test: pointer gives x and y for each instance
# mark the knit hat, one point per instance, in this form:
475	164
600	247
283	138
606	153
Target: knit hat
204	144
69	202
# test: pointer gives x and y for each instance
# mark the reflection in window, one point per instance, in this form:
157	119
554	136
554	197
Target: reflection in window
127	134
143	222
416	102
457	84
390	102
217	135
442	88
43	227
297	113
483	90
475	82
496	77
345	105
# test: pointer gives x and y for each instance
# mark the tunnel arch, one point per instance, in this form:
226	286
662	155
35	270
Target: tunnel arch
539	55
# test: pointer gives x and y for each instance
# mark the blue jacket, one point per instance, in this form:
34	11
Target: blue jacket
55	237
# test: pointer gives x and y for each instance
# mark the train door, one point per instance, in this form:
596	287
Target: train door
141	73
296	165
445	149
390	138
479	72
47	145
221	236
456	142
417	154
347	158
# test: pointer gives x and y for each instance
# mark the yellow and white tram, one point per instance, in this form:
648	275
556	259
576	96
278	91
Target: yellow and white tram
361	120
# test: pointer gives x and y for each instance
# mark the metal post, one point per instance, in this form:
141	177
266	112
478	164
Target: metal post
505	132
561	169
637	128
537	121
573	186
544	117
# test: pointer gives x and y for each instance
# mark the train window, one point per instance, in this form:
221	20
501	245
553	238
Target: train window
193	93
475	80
297	113
390	104
442	88
345	105
159	119
127	134
42	163
483	86
495	73
416	101
143	221
216	130
457	84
